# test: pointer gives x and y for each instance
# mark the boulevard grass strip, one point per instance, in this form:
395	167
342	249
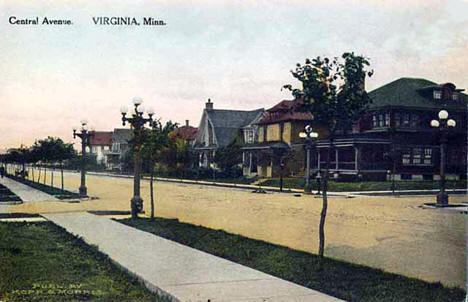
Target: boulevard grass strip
56	192
333	186
42	262
337	278
7	196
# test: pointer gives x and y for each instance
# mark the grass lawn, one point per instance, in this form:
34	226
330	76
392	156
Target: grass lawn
56	192
337	278
42	262
298	183
6	195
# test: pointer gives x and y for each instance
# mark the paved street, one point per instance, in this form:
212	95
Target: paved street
390	233
181	271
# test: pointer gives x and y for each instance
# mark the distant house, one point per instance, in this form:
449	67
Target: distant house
120	145
220	127
187	133
100	144
277	141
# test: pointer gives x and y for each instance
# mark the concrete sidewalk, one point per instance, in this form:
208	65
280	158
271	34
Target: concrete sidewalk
179	271
26	193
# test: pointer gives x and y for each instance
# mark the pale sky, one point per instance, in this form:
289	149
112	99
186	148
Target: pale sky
238	53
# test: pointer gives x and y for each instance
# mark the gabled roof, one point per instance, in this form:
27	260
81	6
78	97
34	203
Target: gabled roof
187	133
227	123
122	135
101	138
409	92
286	110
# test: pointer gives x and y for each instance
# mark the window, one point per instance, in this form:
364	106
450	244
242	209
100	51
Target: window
406	157
437	94
397	118
249	136
406	120
381	120
387	119
427	156
417	154
414	121
454	96
106	148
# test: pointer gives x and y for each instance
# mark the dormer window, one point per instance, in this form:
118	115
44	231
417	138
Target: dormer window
437	94
454	96
249	136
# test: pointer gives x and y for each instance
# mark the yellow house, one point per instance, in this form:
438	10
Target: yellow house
278	149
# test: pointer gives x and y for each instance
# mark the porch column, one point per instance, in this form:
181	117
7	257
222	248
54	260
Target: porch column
318	159
336	158
356	158
250	162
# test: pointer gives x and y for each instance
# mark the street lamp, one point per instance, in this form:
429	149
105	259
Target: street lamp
85	136
137	122
443	124
309	135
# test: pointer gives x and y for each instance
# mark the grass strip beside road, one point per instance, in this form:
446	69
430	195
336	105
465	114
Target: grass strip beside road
7	196
334	186
56	192
337	278
42	262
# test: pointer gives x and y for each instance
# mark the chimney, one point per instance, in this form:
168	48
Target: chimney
209	104
187	123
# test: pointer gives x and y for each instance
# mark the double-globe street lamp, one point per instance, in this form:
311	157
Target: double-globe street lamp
309	136
443	124
137	122
85	136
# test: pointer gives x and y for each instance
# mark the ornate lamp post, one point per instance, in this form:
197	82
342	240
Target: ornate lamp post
85	136
443	124
309	135
137	122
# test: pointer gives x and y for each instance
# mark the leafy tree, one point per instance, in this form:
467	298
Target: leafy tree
228	158
52	150
333	92
157	142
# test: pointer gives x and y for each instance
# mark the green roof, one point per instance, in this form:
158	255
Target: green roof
406	92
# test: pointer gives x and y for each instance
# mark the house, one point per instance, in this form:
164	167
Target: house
100	144
120	145
393	137
187	133
277	148
221	127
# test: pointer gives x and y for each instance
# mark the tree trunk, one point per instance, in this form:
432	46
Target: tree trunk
45	174
39	174
32	172
52	177
61	174
152	191
323	213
